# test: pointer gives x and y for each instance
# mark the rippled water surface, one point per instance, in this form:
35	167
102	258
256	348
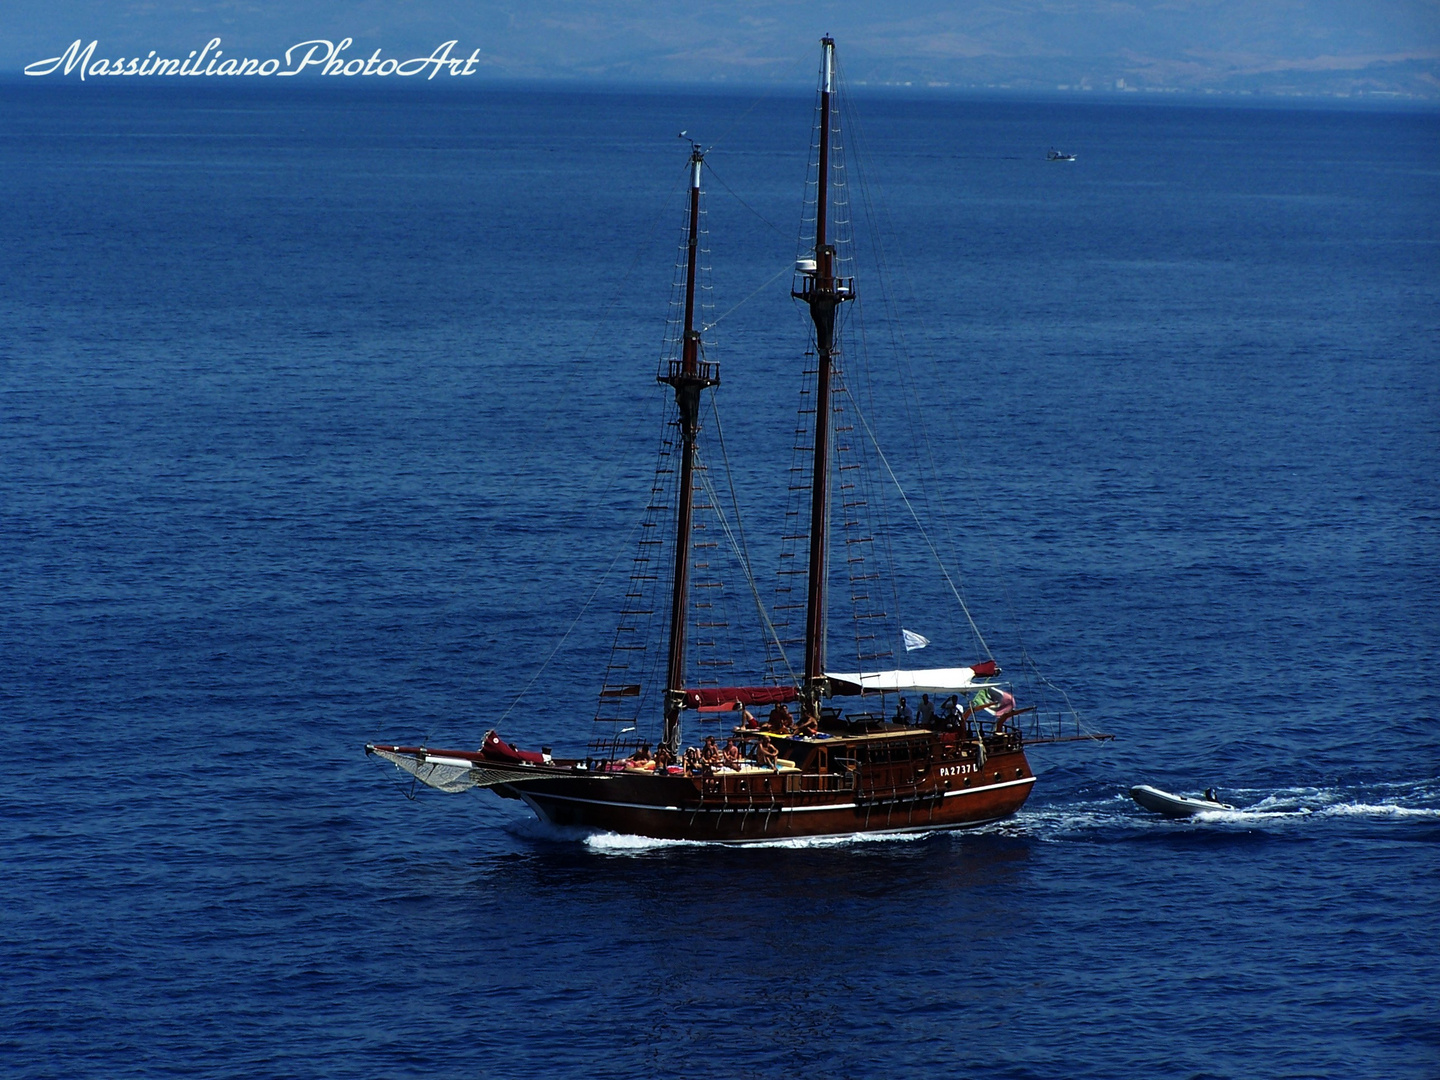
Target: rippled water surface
323	414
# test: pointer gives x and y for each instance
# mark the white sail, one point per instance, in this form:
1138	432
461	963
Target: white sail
952	680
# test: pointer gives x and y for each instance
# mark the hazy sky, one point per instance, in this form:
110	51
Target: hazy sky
1274	45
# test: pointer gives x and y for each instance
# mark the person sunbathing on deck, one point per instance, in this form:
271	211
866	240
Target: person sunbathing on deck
641	757
730	755
766	756
710	753
664	758
692	760
809	726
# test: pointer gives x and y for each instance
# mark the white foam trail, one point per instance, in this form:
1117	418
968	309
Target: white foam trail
608	843
1048	824
1255	808
1270	807
1244	817
1380	810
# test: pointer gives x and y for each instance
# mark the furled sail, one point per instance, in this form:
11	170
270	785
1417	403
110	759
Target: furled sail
941	680
730	696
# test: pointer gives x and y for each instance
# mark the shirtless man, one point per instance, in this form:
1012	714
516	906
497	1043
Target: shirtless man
730	756
766	756
779	719
710	753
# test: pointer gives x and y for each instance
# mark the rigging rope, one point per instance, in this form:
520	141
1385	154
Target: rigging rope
768	282
581	614
1035	669
740	553
924	535
742	202
878	220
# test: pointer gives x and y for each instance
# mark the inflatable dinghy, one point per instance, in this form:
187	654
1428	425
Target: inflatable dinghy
1162	802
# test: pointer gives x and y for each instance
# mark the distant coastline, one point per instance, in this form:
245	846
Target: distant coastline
488	81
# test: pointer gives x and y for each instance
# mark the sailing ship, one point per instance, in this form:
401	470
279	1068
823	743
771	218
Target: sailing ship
821	773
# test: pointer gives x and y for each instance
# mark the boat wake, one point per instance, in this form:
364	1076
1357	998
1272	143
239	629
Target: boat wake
617	844
1113	813
621	844
1256	807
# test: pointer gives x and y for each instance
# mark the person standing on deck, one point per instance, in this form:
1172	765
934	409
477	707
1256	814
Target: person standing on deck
925	714
950	713
903	716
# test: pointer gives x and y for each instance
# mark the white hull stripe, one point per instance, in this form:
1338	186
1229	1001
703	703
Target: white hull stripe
753	809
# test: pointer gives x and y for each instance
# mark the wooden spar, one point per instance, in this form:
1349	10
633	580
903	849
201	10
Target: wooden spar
688	376
823	293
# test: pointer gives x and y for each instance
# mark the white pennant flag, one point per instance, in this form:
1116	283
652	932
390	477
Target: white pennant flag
913	640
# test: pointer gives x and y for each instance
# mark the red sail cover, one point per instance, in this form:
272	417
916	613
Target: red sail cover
745	695
497	749
986	669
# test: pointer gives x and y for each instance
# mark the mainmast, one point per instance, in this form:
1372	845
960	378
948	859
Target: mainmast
688	375
823	292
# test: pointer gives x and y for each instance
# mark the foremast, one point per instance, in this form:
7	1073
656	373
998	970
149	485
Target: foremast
823	292
688	375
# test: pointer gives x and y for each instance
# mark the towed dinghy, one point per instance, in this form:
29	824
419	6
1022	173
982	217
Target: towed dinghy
1162	802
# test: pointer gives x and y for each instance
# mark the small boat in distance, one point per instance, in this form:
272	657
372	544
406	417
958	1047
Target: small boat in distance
1162	802
1058	155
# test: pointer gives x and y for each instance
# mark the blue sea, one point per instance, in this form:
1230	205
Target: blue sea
326	414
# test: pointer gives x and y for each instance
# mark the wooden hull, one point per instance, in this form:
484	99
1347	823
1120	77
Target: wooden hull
779	806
